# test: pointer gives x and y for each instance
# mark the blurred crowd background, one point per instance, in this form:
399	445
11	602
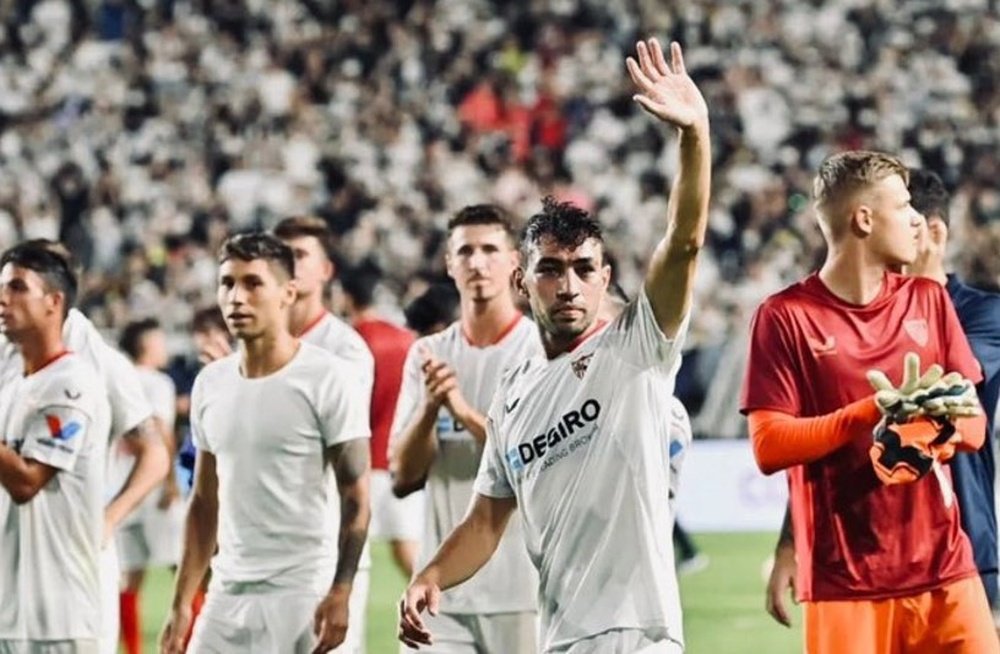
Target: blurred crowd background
142	132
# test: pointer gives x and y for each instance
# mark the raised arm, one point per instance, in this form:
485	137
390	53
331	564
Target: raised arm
668	93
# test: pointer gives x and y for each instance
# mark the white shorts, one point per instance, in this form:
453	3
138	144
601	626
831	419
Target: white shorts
280	621
394	518
621	641
456	633
154	538
81	646
110	576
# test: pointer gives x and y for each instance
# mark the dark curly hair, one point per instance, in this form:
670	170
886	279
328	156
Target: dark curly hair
563	222
928	194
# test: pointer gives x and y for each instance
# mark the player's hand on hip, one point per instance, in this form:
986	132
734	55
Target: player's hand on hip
419	596
781	584
330	621
665	89
175	630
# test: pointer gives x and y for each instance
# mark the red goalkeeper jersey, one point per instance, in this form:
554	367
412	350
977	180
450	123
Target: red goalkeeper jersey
809	351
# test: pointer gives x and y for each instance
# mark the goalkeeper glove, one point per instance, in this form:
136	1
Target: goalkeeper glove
932	393
904	453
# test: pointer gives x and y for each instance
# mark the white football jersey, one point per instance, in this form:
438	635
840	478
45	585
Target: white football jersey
269	436
338	338
580	442
508	582
49	557
159	390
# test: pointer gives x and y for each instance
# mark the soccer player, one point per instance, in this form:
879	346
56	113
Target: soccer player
151	536
267	421
972	472
577	437
886	563
439	431
52	457
131	421
311	243
399	521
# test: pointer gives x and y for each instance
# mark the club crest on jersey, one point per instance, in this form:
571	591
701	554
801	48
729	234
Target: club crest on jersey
61	432
917	330
579	366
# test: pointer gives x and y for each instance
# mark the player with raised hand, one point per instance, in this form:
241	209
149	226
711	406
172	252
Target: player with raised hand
883	561
52	457
576	438
267	421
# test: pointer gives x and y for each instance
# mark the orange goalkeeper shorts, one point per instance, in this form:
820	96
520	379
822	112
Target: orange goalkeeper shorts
954	619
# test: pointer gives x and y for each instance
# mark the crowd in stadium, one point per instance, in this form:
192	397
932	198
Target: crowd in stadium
142	132
315	167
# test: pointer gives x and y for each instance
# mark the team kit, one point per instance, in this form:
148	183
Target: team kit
523	468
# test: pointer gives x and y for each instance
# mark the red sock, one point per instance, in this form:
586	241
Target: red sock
196	604
131	633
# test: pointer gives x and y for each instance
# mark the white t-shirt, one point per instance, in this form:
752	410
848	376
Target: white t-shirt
129	406
679	441
508	582
49	548
269	436
159	390
579	441
338	338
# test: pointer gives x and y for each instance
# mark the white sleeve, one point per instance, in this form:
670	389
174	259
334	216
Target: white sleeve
342	409
492	479
637	337
56	433
198	436
411	393
129	405
163	397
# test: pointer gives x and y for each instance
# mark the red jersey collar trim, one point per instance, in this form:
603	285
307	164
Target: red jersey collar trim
312	324
598	326
503	334
49	362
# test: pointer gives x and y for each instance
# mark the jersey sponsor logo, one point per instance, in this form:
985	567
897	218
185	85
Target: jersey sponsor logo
62	432
450	429
571	422
822	348
917	330
580	365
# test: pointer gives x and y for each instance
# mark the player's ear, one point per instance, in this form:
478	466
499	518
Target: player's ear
291	291
938	231
517	277
862	220
329	271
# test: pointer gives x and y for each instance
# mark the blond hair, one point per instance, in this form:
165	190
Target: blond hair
844	174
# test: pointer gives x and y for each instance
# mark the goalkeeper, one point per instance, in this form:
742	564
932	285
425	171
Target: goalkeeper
883	564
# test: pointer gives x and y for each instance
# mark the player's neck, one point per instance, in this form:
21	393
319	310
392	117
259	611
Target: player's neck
485	323
366	314
852	279
267	353
41	349
556	345
304	314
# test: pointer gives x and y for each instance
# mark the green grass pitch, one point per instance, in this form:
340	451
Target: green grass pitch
723	604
